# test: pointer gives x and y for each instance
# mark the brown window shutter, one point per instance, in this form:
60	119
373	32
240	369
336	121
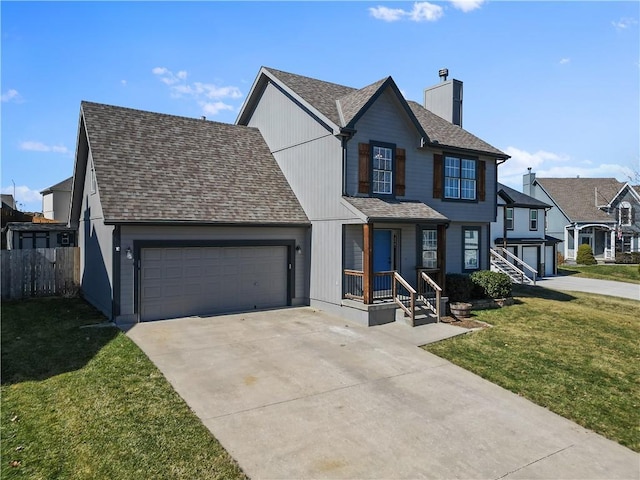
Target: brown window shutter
364	161
437	175
482	180
400	175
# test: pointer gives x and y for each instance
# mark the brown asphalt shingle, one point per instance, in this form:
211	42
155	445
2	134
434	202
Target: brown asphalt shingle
324	96
579	198
153	167
381	209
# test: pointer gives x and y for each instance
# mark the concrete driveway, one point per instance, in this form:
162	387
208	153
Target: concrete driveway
297	394
591	285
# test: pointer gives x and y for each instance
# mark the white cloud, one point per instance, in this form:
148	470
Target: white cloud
564	61
425	11
203	93
123	82
42	147
213	108
421	12
387	14
9	95
467	5
26	198
553	165
624	23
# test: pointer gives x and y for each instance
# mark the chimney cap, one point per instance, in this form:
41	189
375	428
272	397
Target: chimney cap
443	73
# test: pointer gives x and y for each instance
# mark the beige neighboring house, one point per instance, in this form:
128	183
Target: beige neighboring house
600	212
56	201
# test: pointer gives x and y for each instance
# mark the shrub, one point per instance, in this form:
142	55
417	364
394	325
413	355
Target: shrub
478	285
628	257
560	258
585	255
458	287
492	284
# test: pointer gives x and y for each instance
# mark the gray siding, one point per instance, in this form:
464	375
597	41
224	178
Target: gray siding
385	121
353	247
129	234
455	260
556	220
309	155
326	258
95	241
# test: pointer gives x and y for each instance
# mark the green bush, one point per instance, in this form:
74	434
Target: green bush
628	257
585	255
458	287
478	285
492	284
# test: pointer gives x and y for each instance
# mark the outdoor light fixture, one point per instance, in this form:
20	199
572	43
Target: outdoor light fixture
298	249
129	254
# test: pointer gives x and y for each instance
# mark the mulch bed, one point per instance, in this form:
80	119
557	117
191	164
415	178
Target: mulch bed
464	323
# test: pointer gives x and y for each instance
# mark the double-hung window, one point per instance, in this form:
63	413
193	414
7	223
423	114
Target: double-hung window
471	248
533	219
382	170
509	218
625	213
459	178
430	248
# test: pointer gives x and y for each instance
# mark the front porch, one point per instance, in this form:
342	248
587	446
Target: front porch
381	273
600	237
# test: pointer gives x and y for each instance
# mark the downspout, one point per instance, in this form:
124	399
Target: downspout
345	135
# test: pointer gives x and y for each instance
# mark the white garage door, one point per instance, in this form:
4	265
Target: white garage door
530	257
179	282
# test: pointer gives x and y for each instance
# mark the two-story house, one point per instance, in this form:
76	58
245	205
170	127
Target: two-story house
600	212
320	194
520	230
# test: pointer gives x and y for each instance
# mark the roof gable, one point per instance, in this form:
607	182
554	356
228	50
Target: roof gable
154	167
340	107
581	198
519	199
63	186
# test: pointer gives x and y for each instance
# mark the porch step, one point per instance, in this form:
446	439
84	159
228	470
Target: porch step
423	316
501	265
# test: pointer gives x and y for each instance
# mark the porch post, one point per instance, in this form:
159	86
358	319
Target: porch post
441	255
612	249
576	244
566	242
367	263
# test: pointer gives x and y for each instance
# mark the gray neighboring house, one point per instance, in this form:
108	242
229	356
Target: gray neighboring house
318	195
600	212
56	201
180	216
520	227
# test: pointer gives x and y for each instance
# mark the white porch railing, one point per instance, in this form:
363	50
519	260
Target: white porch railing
500	263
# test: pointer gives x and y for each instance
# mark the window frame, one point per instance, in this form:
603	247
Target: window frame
478	249
433	231
626	207
533	226
373	144
507	219
460	178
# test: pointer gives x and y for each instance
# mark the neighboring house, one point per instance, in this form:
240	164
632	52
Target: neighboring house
312	197
56	201
520	228
25	235
600	212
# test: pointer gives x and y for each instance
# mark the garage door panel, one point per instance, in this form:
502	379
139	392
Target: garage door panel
208	280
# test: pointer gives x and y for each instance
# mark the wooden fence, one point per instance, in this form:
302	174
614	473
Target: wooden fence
40	272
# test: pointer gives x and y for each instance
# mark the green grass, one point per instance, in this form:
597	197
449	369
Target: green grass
619	273
576	355
86	403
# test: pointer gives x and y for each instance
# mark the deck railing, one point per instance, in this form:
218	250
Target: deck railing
404	296
430	293
354	284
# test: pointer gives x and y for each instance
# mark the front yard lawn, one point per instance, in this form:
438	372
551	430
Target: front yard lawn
576	355
619	273
86	403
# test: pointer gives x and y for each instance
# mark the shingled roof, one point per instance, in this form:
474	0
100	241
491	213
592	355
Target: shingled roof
373	208
519	199
579	198
332	99
153	167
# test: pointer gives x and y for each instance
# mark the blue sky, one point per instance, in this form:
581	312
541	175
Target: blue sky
553	84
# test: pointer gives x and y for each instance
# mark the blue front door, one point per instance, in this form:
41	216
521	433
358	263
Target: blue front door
382	257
